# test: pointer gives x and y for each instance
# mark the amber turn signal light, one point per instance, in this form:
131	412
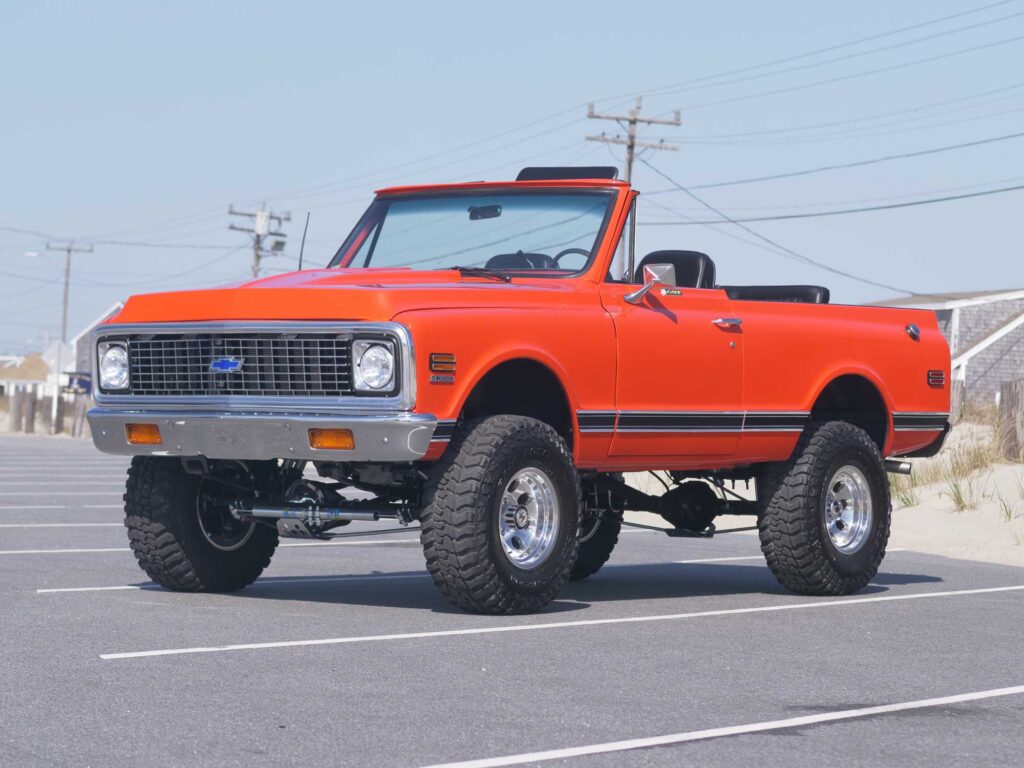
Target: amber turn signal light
143	434
331	439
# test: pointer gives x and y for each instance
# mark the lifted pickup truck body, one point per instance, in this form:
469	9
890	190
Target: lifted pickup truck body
663	370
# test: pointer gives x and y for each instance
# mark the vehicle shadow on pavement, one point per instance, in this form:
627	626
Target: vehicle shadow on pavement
615	583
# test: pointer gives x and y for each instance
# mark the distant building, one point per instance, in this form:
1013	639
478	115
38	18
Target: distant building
985	331
22	369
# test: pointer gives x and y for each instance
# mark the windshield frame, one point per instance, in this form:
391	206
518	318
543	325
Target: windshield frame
368	225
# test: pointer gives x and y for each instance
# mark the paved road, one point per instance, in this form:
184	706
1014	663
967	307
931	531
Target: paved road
347	656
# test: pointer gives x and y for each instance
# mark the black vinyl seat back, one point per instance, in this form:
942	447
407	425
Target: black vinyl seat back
693	268
794	294
521	260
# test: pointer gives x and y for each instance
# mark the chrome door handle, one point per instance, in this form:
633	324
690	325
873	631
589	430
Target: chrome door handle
727	322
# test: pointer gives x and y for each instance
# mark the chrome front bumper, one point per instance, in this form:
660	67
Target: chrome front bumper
263	434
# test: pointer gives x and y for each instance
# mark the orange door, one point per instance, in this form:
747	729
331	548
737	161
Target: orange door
679	379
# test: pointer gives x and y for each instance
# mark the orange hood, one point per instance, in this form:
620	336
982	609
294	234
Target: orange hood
341	294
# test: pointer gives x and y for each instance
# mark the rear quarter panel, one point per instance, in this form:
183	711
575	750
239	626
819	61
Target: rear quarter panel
793	351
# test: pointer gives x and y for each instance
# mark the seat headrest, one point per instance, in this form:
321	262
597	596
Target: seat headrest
509	261
795	294
693	268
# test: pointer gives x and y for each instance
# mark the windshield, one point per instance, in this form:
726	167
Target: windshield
552	233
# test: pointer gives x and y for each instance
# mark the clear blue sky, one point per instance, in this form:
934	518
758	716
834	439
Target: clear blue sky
143	121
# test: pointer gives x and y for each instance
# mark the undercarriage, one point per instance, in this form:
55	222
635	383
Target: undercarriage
280	495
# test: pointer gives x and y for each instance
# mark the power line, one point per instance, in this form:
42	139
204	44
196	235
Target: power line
845	57
33	232
855	164
177	246
855	75
840	212
861	119
793	254
868	133
818	204
827	49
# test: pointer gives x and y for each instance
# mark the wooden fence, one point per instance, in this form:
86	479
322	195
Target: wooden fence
1011	420
31	412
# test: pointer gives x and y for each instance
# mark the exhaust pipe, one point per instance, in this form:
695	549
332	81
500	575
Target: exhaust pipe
897	467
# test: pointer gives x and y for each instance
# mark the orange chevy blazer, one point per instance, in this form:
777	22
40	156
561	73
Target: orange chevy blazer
487	360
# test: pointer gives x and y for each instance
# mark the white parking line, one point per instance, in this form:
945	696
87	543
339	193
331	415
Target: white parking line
750	557
359	543
56	483
48	494
61	525
16	507
11	474
556	624
731	730
60	551
269	582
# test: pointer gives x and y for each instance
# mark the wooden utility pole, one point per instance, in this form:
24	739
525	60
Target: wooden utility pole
69	248
260	229
629	123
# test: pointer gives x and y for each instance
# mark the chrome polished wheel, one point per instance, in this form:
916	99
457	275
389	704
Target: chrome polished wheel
848	510
219	527
528	522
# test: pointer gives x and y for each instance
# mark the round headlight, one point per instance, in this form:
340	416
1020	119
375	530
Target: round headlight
114	367
375	369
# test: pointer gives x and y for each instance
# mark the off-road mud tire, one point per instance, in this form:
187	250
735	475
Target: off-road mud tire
164	533
460	517
595	551
794	539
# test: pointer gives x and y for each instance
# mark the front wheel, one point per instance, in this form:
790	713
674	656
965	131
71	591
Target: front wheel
825	517
183	533
499	526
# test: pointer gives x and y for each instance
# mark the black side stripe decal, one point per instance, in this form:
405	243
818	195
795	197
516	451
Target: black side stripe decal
775	422
444	431
919	422
596	421
692	421
631	421
712	422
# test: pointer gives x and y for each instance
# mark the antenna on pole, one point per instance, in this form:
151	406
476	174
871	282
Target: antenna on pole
302	247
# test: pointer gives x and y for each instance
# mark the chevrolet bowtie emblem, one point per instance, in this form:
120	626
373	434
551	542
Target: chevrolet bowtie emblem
226	364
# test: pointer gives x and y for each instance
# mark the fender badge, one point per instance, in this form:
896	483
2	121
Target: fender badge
442	379
227	364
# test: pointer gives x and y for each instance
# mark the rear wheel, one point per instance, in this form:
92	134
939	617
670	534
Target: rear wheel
500	523
825	519
183	533
600	524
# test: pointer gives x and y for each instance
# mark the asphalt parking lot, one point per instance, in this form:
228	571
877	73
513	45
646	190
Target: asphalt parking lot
680	652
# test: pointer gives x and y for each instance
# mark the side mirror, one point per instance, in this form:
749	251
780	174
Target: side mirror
654	274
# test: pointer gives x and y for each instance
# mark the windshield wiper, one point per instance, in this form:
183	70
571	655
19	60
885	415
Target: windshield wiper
485	272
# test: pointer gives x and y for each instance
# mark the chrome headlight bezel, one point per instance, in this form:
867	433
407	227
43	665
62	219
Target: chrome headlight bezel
367	381
116	351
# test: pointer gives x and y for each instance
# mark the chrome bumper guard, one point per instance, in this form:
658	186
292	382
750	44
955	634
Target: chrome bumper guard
264	434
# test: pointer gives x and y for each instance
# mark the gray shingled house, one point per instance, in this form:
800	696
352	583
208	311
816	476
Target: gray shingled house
985	331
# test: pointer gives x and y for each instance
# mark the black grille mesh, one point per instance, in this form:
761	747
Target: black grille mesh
304	364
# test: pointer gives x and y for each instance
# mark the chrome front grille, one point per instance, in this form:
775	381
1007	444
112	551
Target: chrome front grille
268	363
